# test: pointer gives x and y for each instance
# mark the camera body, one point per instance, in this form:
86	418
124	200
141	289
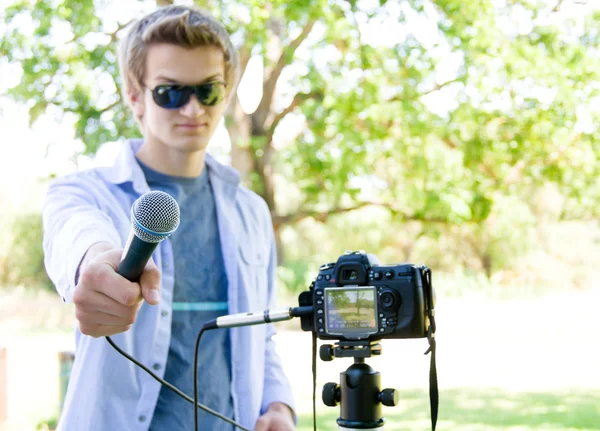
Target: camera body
356	298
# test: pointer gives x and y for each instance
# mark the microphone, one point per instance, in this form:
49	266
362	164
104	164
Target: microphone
154	216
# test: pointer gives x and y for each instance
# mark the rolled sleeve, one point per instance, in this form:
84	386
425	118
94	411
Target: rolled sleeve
72	222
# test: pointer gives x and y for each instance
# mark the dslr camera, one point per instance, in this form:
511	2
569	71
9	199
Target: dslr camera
358	299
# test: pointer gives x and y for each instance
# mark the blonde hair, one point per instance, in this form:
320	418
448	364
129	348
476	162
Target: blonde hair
185	26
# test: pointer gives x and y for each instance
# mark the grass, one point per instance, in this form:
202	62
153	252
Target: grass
495	373
487	409
483	410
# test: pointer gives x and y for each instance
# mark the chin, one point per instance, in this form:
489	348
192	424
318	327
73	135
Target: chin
192	144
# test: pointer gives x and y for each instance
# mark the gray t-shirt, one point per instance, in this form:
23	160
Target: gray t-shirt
199	295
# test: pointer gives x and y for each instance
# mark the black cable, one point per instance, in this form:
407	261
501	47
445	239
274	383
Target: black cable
173	388
314	373
196	377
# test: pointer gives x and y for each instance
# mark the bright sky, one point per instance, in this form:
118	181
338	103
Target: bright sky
26	154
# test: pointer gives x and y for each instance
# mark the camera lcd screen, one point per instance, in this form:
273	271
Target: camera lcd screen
351	310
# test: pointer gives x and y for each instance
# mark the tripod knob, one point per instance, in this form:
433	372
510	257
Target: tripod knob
389	397
326	352
331	394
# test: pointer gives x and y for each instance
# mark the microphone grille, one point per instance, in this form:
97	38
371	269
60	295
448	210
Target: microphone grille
155	216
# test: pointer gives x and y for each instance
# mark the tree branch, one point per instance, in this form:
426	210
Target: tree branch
438	87
284	59
112	105
113	35
299	98
558	5
322	216
244	59
449	142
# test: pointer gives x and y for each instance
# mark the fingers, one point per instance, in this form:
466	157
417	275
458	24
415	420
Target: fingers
110	257
275	420
105	280
150	283
101	276
97	301
107	303
101	330
101	318
262	424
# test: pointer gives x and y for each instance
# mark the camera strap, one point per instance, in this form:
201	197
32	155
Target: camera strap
314	373
433	384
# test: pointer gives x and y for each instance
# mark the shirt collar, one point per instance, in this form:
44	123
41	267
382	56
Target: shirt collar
127	169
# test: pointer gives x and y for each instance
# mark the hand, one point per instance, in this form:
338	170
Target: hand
278	417
105	302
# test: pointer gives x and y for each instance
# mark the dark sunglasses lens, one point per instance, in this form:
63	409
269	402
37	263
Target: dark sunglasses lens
170	96
211	94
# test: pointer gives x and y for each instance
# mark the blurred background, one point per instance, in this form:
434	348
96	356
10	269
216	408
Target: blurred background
460	134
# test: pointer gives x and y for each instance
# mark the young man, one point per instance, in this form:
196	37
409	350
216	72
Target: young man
179	70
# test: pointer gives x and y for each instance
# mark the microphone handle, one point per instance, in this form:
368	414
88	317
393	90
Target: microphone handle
135	257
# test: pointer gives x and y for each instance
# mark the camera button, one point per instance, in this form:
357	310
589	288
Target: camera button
389	274
319	302
377	276
327	277
319	277
319	311
320	320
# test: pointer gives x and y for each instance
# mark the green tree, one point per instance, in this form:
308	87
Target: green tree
521	75
23	263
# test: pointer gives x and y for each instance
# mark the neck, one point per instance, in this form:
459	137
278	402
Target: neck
172	162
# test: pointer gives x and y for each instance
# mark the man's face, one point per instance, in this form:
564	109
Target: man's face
189	128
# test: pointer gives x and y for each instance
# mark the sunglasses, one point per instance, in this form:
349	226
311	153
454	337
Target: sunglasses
170	96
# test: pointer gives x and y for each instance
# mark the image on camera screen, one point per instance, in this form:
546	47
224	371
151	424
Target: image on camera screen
351	310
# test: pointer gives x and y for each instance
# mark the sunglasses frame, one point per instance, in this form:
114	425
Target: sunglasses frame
184	92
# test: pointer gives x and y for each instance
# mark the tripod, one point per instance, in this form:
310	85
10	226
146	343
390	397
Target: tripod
358	391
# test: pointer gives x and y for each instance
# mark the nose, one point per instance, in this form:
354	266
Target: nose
193	108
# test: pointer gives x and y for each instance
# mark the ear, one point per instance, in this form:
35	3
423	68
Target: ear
229	96
136	101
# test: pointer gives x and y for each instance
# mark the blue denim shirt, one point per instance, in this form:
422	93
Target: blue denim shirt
108	392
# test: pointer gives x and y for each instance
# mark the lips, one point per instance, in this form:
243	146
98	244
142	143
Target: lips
193	125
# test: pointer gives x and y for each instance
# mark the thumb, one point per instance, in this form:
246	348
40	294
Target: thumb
150	283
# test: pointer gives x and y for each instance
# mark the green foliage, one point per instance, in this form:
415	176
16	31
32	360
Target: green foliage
23	262
440	127
47	424
499	242
294	276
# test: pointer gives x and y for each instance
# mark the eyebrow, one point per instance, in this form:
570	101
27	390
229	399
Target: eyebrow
175	81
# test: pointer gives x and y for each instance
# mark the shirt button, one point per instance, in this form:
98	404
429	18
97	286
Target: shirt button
156	367
164	313
142	418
